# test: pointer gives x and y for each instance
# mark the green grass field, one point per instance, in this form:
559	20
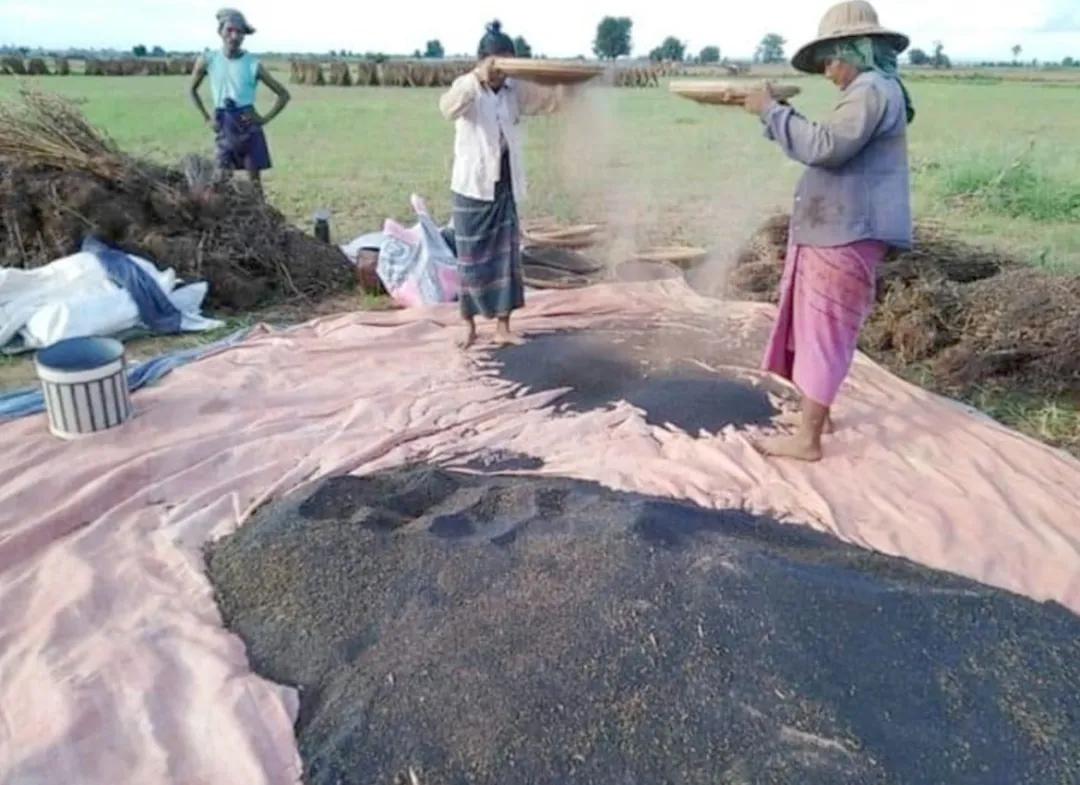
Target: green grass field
997	162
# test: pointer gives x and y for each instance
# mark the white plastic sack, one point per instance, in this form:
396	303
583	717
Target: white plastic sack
372	241
73	297
23	292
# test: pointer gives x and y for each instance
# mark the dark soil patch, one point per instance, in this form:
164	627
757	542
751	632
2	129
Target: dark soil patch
477	629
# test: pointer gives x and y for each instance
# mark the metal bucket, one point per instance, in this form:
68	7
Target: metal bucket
84	381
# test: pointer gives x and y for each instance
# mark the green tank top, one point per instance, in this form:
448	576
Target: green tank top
232	78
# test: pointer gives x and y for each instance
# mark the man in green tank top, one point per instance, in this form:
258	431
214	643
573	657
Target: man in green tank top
234	75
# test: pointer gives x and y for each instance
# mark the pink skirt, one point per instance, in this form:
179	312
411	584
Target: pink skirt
826	295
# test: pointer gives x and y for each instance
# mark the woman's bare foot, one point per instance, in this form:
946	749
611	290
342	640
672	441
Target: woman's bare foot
503	335
789	447
794	420
508	339
468	338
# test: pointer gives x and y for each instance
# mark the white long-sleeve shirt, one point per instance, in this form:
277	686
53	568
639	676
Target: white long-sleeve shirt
483	121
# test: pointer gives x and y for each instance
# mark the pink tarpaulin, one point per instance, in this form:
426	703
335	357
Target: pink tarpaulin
114	666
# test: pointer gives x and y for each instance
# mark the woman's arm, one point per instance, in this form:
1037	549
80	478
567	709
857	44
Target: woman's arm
836	141
456	101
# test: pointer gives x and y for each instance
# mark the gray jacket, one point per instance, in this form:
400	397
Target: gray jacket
856	186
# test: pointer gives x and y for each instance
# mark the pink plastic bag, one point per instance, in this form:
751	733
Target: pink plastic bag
416	265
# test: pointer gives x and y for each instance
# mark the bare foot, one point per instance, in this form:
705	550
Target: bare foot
789	447
468	338
794	420
503	337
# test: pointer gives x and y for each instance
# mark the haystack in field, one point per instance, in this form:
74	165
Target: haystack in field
296	74
429	77
63	67
93	67
637	77
367	75
313	74
37	67
61	180
14	66
339	74
388	75
402	74
418	75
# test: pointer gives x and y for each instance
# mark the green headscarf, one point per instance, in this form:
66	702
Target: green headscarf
868	53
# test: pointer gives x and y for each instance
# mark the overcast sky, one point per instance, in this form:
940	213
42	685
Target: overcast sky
970	29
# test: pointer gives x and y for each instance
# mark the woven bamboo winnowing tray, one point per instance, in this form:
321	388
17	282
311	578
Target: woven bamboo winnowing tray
726	93
548	72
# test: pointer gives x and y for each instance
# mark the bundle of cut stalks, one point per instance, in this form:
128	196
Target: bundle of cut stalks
37	67
62	180
974	316
48	131
45	130
340	75
14	66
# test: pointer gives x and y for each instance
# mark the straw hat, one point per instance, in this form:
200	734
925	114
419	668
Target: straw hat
853	19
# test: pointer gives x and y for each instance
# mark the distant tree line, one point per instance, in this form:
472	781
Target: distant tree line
937	60
672	50
613	40
141	51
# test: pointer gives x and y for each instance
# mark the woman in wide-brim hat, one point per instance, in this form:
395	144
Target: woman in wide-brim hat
851	206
